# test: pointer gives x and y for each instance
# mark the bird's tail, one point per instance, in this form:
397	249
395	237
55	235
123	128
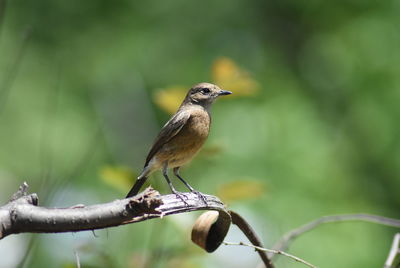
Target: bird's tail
136	187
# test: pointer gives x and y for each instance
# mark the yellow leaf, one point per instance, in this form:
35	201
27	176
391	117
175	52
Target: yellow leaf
118	177
227	75
170	98
239	190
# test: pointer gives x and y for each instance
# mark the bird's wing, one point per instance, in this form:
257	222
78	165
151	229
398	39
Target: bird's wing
169	130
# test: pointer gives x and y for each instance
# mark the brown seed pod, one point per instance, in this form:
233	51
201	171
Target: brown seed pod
210	230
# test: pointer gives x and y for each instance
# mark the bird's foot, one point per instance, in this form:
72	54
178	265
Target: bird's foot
201	196
181	196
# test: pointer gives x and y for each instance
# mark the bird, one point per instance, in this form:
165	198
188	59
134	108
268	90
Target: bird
181	137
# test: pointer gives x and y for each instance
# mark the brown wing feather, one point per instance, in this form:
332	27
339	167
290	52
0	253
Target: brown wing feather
170	129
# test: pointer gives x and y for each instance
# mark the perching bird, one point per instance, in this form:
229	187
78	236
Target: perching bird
181	137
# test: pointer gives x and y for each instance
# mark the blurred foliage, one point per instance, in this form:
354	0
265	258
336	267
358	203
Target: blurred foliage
228	75
120	178
240	190
311	129
225	73
170	98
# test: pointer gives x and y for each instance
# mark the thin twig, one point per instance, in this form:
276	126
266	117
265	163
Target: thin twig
271	251
245	227
393	260
32	242
78	262
284	242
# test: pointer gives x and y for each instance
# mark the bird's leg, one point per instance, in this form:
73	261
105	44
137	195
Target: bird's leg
173	190
200	195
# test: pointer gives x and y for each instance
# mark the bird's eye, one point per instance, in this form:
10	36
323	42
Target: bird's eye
205	90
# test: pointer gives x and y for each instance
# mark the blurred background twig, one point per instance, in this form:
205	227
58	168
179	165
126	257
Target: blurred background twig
393	260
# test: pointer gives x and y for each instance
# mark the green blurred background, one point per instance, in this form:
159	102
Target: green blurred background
312	128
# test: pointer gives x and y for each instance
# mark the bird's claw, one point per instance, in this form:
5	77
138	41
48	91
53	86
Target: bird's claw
181	197
201	196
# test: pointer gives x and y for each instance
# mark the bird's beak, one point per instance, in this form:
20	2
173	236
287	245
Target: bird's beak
224	92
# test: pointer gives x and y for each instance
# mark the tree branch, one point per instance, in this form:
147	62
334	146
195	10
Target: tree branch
284	242
245	227
22	214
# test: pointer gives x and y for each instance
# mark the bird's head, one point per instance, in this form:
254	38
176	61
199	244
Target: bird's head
204	94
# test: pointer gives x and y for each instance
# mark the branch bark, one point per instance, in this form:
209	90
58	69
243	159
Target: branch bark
22	214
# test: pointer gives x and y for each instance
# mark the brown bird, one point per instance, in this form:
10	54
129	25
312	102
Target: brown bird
181	137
